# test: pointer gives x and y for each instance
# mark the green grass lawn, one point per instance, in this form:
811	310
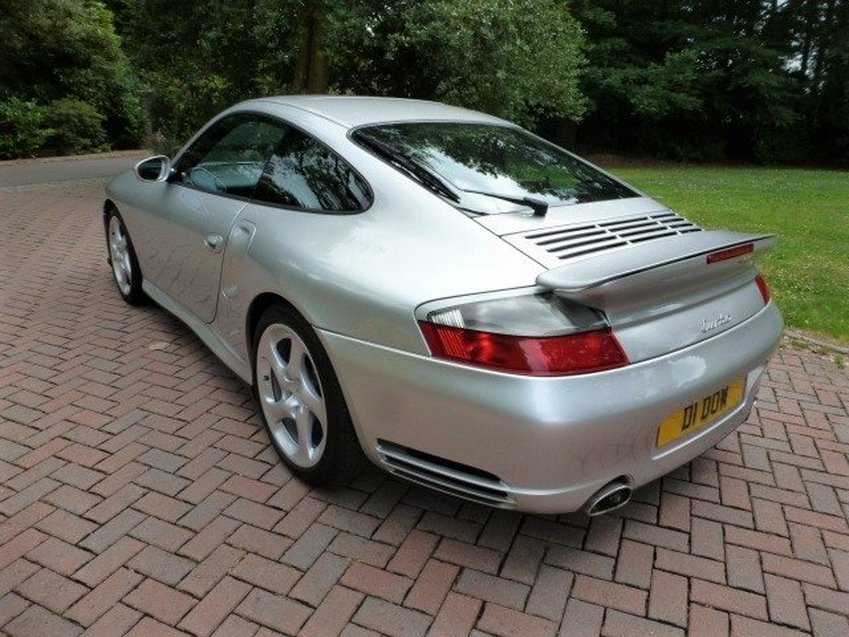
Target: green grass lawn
808	269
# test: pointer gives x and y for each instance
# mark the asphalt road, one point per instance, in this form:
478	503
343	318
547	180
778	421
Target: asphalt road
57	170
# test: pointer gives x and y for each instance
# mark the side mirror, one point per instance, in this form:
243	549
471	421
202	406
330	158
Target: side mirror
157	168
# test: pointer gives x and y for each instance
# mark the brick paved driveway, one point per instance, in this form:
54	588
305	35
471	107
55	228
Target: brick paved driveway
138	495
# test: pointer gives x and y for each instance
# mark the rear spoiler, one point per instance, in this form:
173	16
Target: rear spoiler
653	265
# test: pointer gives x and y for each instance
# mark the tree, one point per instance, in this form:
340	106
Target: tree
818	34
519	59
63	58
516	58
196	58
754	80
702	79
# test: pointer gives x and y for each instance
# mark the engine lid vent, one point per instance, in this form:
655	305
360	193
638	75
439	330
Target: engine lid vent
555	245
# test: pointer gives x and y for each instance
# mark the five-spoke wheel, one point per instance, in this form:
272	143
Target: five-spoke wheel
122	257
300	399
290	395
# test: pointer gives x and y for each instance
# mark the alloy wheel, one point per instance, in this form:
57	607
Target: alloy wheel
291	396
119	254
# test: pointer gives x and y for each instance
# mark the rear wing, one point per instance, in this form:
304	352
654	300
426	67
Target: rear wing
658	265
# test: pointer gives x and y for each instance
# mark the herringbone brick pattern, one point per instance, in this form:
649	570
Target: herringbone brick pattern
139	496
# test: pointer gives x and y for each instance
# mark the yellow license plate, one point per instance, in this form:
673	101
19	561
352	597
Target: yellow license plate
701	413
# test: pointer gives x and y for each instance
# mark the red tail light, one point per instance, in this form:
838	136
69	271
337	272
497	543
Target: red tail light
578	353
764	288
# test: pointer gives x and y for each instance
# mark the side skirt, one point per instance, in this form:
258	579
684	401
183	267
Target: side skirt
203	331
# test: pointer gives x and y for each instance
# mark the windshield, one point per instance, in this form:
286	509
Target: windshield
496	160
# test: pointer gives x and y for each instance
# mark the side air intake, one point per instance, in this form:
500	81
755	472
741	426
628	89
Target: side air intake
445	475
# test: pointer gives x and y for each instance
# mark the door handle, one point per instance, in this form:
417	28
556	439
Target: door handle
214	242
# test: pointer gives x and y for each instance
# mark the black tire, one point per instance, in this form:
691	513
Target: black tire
288	377
129	283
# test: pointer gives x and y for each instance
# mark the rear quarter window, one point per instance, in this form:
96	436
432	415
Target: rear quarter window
305	174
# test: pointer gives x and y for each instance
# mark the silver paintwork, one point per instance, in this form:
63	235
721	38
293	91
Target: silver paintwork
552	441
361	280
669	259
205	331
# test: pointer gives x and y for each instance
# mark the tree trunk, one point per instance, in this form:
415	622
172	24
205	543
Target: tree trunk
317	82
807	39
824	28
311	65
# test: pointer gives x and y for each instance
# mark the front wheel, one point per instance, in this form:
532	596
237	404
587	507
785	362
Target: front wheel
300	400
122	258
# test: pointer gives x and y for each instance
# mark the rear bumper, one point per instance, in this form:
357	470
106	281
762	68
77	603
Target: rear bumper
548	443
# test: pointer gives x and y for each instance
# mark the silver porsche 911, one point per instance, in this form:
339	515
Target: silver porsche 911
470	306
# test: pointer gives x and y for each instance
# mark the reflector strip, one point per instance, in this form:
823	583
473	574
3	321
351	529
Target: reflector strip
724	255
764	288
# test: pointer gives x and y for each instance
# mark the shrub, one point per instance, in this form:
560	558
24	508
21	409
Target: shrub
22	128
76	127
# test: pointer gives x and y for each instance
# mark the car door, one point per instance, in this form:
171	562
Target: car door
305	189
213	181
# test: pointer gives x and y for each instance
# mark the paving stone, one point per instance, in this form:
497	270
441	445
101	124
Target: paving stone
268	574
320	578
36	620
51	590
281	614
391	619
160	601
456	616
105	596
377	582
431	586
216	605
163	566
506	622
333	614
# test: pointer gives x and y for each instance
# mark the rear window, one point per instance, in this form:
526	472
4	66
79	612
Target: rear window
497	160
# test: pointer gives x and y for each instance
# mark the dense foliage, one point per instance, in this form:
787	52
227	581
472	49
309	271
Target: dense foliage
65	83
764	80
196	58
518	59
752	80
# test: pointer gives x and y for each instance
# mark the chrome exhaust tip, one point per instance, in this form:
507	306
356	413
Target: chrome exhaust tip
610	497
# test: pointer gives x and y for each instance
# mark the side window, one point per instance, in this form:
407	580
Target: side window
229	157
304	173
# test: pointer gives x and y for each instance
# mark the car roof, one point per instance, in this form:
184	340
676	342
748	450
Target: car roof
353	111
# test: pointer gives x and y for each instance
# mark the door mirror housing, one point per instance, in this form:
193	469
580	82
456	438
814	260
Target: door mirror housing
156	168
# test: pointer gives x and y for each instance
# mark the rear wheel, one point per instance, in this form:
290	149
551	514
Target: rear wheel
122	258
300	400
